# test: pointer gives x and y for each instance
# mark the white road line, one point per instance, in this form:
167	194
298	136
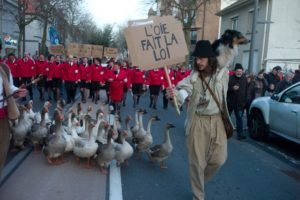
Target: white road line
115	183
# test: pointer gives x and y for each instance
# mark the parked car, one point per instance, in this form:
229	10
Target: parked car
278	114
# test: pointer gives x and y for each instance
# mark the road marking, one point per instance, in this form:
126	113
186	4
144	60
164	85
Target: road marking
115	184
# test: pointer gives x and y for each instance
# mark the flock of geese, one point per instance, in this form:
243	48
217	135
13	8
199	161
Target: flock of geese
100	139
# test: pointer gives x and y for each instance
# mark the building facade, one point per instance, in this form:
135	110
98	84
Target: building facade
34	32
277	32
9	31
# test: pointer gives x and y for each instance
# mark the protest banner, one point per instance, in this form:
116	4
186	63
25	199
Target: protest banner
156	42
97	51
110	52
56	49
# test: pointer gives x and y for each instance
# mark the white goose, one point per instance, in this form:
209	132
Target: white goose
160	152
107	153
22	128
40	133
123	149
86	148
144	143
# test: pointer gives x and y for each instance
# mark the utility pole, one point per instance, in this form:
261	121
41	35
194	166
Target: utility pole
253	37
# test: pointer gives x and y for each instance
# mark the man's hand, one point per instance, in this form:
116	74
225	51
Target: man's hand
21	92
170	93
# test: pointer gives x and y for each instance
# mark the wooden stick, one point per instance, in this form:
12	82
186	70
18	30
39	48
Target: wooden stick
31	83
170	85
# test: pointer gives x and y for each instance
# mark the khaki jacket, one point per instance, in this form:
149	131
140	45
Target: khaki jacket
220	88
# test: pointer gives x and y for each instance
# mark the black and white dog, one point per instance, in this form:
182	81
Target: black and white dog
226	48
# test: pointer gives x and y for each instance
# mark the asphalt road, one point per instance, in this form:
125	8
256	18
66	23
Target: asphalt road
254	170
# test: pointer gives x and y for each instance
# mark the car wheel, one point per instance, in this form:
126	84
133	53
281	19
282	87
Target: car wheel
258	128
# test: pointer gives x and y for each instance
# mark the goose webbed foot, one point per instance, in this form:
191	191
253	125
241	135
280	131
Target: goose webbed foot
163	166
126	162
103	170
36	149
88	163
49	160
59	161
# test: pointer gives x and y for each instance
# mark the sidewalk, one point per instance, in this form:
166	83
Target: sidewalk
35	179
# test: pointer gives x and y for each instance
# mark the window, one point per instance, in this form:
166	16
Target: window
234	23
292	95
193	37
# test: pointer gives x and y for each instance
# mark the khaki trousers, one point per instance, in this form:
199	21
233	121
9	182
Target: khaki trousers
4	141
207	149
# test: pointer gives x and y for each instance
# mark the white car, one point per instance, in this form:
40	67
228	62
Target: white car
278	114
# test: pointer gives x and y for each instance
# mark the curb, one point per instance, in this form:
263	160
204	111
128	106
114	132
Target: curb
14	164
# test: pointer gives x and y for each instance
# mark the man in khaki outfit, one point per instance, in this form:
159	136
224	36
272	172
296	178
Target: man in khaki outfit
6	78
206	137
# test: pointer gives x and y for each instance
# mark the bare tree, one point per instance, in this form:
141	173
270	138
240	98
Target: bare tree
120	42
48	11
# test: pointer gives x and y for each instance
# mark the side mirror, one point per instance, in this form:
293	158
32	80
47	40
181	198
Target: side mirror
275	97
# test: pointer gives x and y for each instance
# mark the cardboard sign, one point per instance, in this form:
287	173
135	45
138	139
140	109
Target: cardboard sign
73	49
56	50
110	52
85	50
156	42
97	51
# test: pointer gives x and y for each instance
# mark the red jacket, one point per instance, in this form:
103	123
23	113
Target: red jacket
172	78
85	72
98	73
137	76
14	68
26	69
116	85
128	72
40	67
49	70
57	70
180	75
70	72
155	77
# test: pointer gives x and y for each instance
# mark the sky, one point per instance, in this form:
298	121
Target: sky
116	11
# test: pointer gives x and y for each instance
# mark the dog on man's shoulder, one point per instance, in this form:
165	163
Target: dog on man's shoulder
226	48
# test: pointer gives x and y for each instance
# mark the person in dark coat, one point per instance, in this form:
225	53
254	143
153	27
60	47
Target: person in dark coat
285	83
261	84
237	97
273	79
296	78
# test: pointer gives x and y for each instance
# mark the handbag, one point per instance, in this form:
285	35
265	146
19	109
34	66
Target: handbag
226	121
13	112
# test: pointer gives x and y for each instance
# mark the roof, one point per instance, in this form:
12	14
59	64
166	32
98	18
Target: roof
234	6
